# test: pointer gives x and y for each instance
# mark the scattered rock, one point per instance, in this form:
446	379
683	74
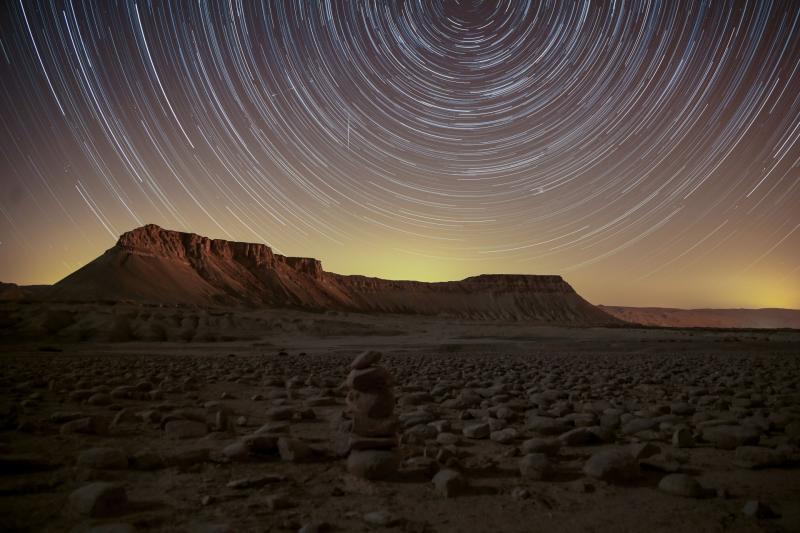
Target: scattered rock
374	404
99	499
535	466
582	486
520	493
188	457
758	457
643	411
112	528
103	459
365	360
147	460
369	379
294	450
546	425
185	429
382	518
638	424
278	501
681	485
314	527
374	426
682	438
237	451
615	465
580	436
644	450
99	399
91	425
731	437
758	509
479	430
450	483
373	464
547	446
279	414
504	436
210	527
255	482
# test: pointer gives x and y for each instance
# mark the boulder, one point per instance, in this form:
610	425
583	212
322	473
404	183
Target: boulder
730	437
103	459
365	360
450	483
535	466
373	464
614	465
681	485
99	499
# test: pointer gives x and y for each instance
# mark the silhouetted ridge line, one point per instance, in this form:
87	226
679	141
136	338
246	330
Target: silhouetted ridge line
154	265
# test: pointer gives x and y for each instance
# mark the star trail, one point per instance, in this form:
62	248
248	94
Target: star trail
648	151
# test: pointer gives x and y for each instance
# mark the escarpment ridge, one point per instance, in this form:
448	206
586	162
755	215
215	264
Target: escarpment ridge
154	265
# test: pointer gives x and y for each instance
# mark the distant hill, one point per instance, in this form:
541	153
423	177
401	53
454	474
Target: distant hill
154	265
10	291
14	292
707	318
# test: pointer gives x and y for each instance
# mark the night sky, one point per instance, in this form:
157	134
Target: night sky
649	153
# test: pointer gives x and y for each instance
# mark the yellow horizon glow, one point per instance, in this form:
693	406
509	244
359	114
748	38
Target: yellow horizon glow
761	288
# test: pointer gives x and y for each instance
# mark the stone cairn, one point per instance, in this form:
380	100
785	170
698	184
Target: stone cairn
373	428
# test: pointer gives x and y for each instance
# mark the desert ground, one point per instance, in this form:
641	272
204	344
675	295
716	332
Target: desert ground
125	418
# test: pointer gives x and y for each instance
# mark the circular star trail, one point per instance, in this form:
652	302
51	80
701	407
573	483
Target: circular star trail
648	151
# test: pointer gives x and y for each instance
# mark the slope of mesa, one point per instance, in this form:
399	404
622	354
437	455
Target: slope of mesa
154	265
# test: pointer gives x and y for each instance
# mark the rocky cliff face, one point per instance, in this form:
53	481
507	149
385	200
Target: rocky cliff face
515	297
151	264
151	240
495	282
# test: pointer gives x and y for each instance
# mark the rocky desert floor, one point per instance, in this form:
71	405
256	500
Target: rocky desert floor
501	427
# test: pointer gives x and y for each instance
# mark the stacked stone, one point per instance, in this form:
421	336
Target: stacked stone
373	433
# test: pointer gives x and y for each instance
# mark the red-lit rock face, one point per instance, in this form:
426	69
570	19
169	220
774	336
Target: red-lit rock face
156	265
